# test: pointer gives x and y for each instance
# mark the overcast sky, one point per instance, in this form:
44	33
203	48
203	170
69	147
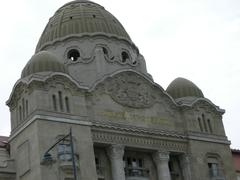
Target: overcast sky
195	39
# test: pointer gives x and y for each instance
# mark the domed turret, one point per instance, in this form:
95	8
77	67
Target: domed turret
181	87
43	61
78	18
90	42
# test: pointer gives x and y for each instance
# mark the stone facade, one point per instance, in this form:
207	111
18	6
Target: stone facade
89	76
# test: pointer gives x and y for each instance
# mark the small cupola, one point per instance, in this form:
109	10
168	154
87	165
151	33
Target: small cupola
180	88
43	61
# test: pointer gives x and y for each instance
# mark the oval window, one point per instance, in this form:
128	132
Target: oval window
73	55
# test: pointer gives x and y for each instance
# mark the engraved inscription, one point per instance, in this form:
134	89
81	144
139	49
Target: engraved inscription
135	117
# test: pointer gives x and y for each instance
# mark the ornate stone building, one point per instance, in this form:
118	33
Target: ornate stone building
87	74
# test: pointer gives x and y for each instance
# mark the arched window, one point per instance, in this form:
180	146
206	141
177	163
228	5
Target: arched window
67	104
204	123
23	108
54	102
60	100
26	107
105	51
209	125
73	54
200	124
20	113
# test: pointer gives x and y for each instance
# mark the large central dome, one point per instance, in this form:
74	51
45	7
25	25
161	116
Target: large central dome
79	18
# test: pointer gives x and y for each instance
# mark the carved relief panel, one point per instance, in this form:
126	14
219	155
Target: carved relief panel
131	99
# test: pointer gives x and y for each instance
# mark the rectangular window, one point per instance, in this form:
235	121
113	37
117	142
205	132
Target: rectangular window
213	169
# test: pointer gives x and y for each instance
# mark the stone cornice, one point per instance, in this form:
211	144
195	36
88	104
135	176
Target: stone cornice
156	133
48	118
204	101
137	130
209	138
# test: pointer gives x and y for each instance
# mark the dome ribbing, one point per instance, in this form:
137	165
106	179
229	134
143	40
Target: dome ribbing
43	61
79	18
181	87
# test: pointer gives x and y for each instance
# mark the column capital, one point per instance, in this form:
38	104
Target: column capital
161	159
185	158
115	151
161	156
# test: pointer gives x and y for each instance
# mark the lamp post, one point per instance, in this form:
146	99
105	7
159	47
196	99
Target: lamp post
47	157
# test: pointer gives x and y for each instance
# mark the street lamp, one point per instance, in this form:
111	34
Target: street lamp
47	157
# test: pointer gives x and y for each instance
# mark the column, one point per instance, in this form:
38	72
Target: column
115	153
161	160
185	165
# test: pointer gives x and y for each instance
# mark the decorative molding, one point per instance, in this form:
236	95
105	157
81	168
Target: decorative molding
205	104
138	130
138	141
89	36
208	138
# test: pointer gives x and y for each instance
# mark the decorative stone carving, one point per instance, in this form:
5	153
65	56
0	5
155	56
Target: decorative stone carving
161	156
130	90
132	139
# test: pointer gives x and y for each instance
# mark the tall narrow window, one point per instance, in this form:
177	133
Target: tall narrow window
105	51
209	125
204	123
54	102
20	113
23	108
99	167
200	124
67	104
26	107
60	100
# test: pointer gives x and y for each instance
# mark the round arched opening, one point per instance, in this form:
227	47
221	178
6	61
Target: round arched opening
73	54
